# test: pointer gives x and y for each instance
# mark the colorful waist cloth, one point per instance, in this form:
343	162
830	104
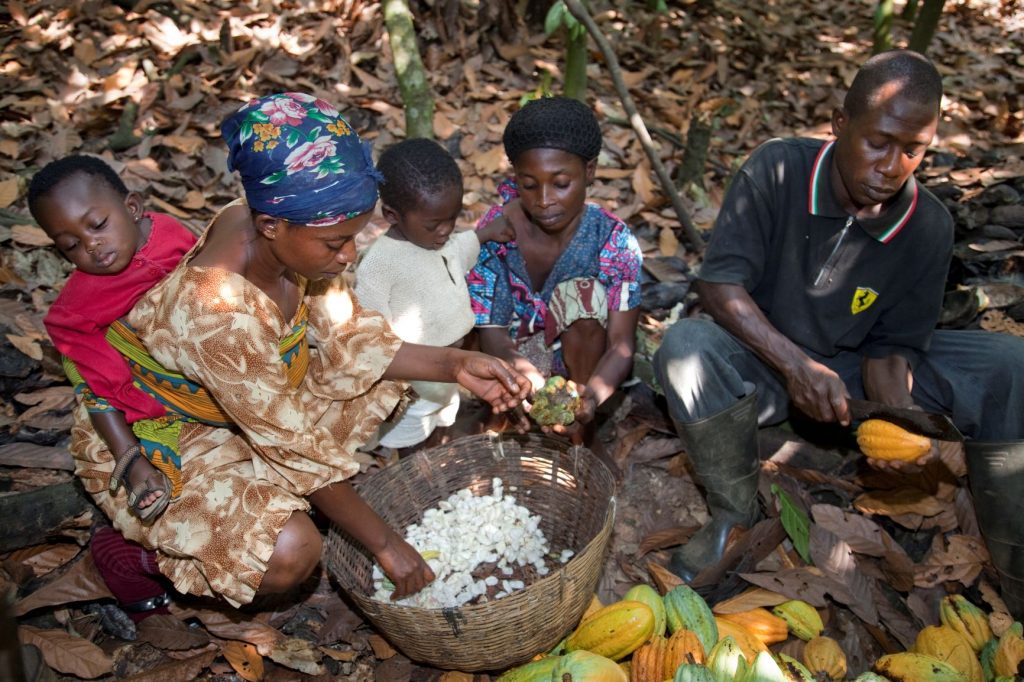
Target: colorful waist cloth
580	298
184	400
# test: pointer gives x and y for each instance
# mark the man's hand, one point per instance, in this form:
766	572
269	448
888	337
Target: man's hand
403	566
818	392
492	380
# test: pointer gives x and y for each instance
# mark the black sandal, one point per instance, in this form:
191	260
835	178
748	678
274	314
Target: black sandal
122	465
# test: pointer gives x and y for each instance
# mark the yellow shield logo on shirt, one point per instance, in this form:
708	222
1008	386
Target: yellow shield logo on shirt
862	299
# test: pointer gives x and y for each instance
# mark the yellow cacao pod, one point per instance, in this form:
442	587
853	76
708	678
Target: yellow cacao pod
683	647
615	631
748	643
648	595
584	666
648	662
946	644
880	439
1009	654
824	655
766	626
917	667
803	620
534	671
967	619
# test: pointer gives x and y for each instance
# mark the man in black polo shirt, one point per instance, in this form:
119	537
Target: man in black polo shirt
825	277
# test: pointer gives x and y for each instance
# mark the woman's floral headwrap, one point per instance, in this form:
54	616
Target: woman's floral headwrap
300	160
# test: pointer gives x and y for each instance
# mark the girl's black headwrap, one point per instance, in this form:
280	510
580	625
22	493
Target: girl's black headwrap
553	123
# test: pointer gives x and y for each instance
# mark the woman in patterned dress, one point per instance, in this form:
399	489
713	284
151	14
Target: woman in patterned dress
563	297
268	269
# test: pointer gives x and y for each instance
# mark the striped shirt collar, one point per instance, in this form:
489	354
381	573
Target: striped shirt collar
821	200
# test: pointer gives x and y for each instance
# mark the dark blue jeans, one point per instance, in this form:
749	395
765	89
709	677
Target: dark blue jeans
975	377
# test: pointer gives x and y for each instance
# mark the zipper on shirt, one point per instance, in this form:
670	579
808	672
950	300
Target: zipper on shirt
830	263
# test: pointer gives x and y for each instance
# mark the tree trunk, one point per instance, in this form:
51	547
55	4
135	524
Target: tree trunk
883	27
909	12
924	27
576	67
698	139
417	98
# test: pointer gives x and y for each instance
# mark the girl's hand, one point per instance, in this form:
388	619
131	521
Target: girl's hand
492	379
403	566
498	230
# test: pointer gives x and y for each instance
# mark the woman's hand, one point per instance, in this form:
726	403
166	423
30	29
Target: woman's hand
403	566
583	415
492	379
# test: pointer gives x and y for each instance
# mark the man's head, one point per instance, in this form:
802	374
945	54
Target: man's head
884	127
85	208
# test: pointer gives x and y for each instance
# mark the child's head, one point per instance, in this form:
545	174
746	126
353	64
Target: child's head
421	195
308	179
553	145
85	208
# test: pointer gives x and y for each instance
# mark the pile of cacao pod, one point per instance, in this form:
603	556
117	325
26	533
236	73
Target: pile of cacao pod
676	638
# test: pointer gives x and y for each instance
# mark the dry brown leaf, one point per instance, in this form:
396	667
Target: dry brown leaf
381	648
806	583
490	161
168	207
897	502
189	144
193	200
338	655
82	582
184	669
297	654
244	659
961	560
627	442
455	676
67	653
26	346
44	558
642	184
668	243
10	148
232	624
164	631
9	191
665	579
443	126
1000	622
607	173
749	599
668	537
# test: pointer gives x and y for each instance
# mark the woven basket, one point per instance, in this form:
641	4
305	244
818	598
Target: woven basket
568	487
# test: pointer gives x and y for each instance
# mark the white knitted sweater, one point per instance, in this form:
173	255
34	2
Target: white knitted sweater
422	293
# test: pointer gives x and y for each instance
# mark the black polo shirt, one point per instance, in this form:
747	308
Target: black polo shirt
828	281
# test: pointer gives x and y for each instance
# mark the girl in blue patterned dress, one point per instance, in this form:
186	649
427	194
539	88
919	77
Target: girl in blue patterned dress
563	297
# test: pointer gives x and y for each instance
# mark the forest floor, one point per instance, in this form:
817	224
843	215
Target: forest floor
147	89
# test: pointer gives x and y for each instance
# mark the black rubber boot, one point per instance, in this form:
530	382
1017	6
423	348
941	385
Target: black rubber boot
723	449
996	473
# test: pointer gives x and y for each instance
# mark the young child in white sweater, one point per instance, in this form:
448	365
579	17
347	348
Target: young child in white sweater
415	273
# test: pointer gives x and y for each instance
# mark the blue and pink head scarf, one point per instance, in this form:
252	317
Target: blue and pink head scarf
300	160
